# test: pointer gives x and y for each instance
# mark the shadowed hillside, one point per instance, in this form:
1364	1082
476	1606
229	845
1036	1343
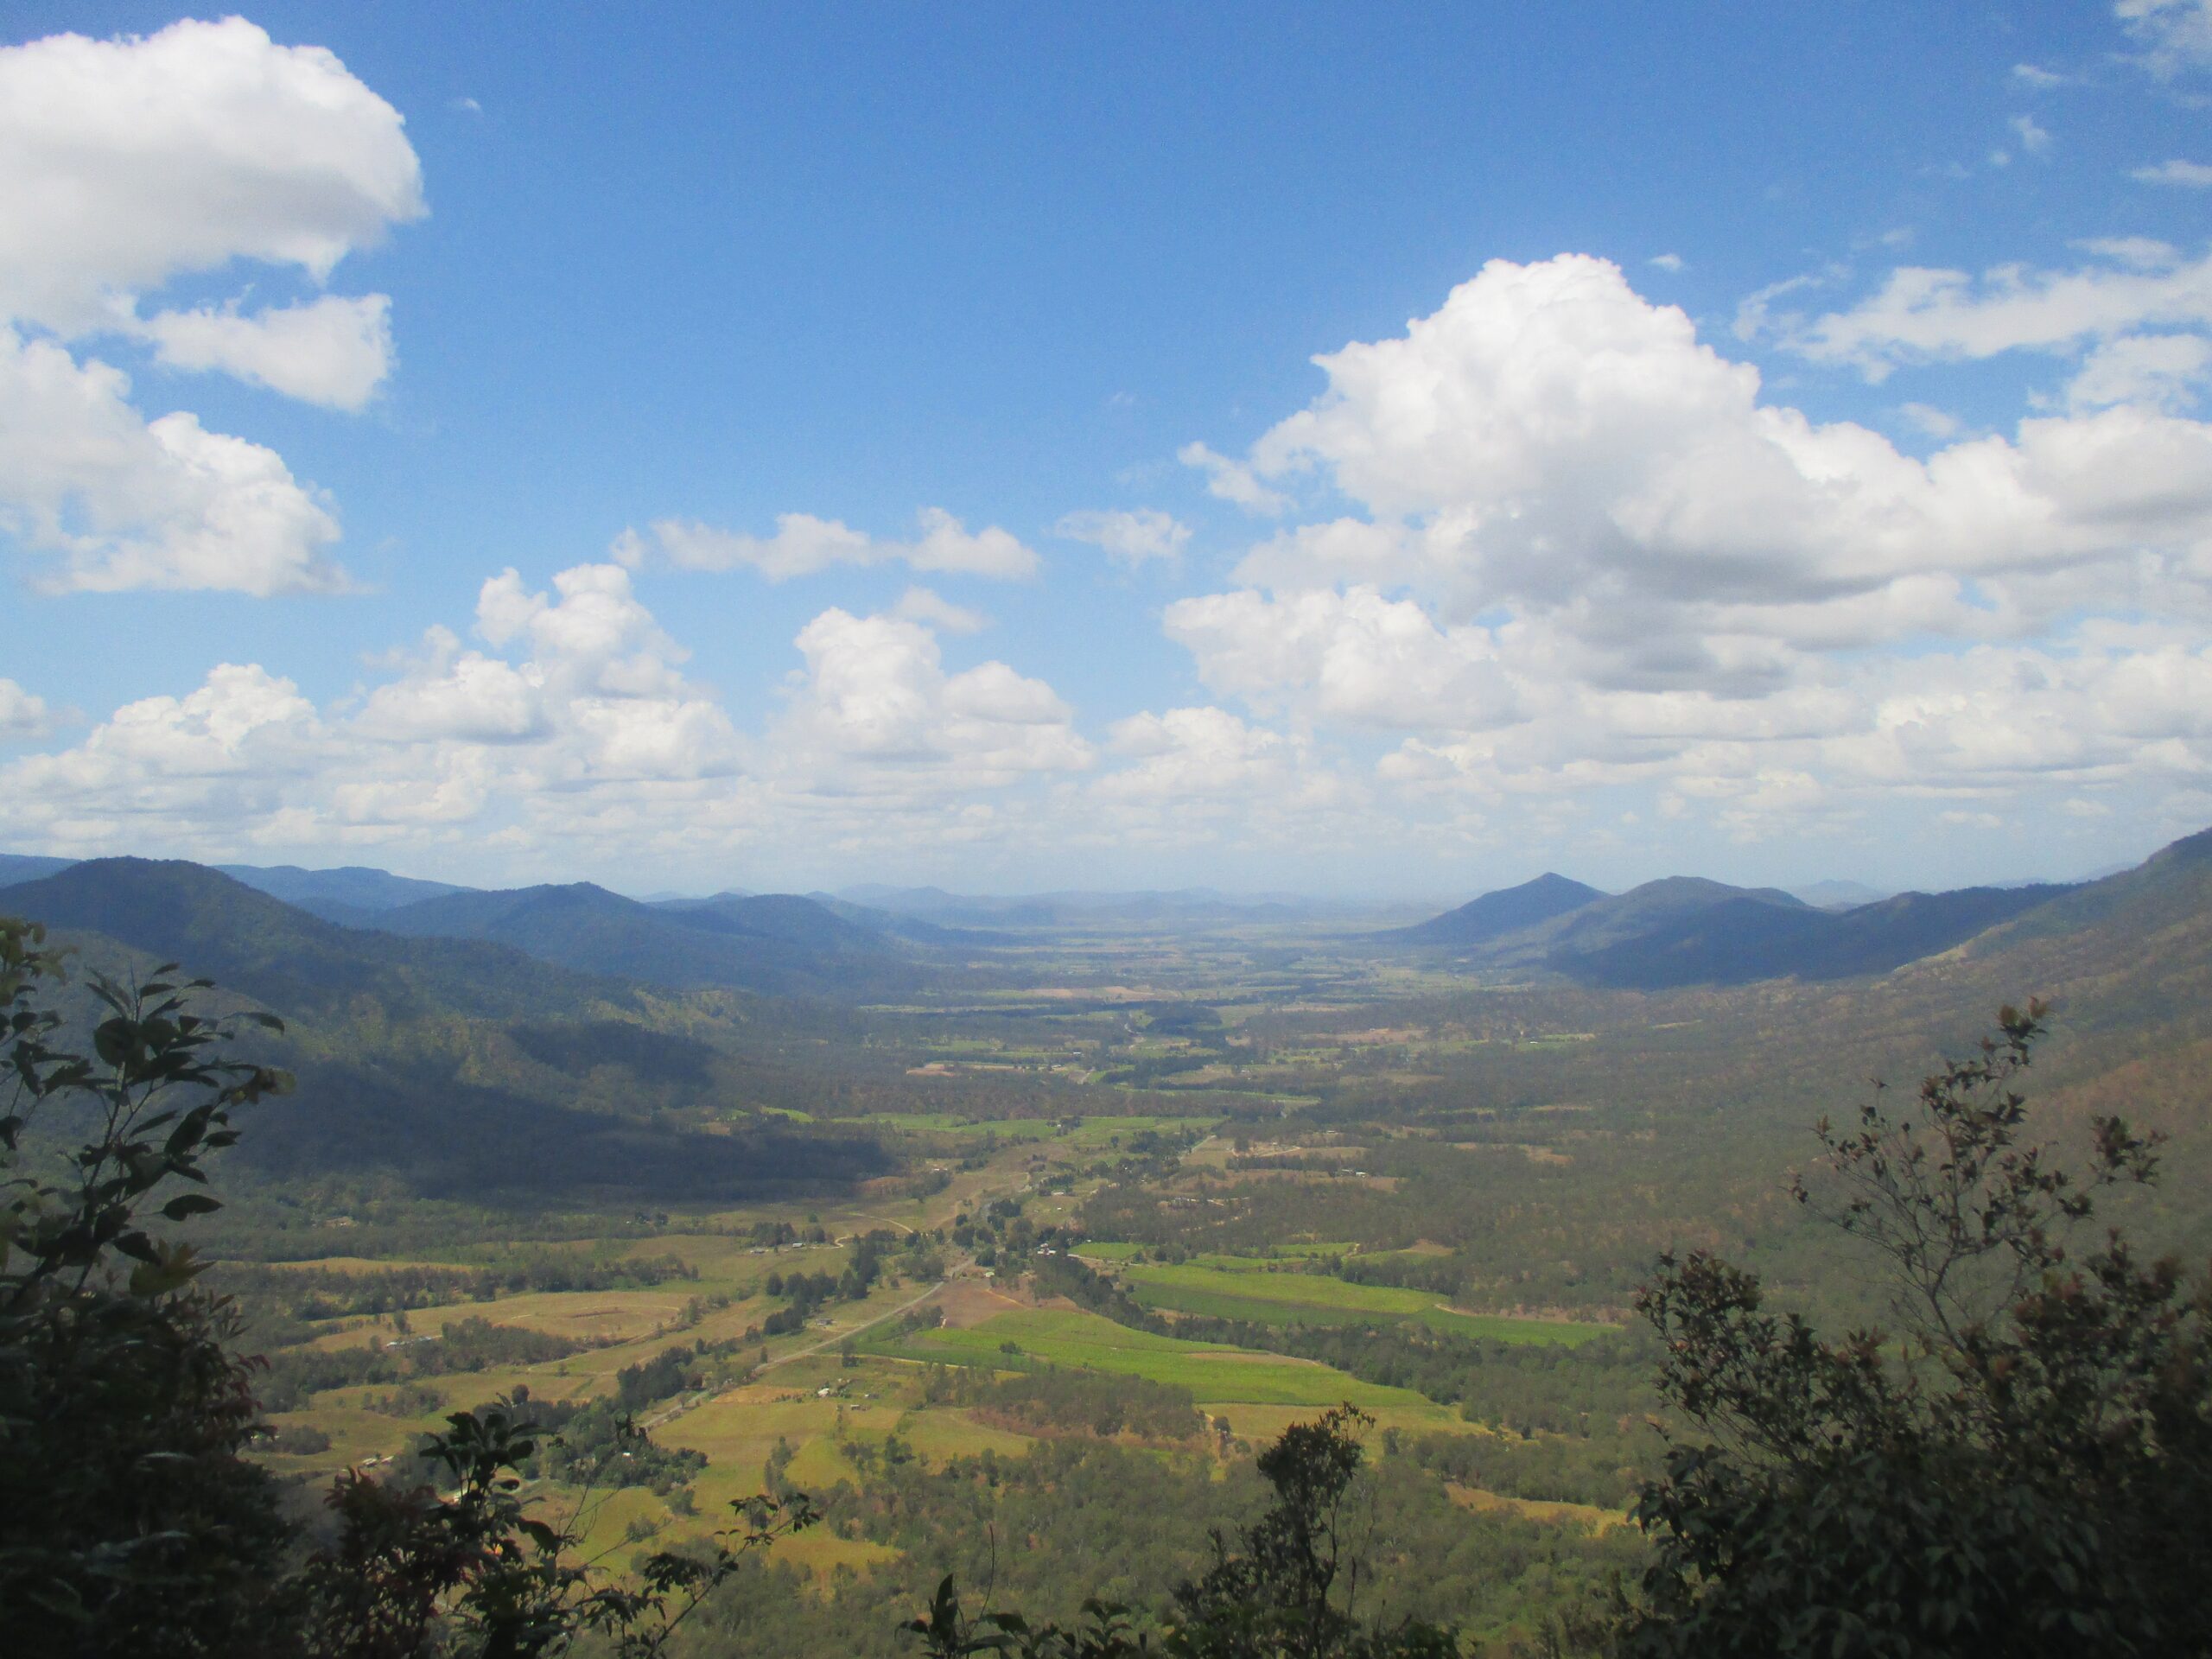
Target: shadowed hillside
287	959
457	1066
1684	931
776	944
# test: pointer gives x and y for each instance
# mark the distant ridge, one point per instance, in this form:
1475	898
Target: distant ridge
1841	895
350	888
16	868
1683	930
775	943
1739	940
518	1110
284	957
336	894
1508	909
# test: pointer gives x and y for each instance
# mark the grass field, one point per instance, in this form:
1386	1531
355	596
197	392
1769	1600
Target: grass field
1283	1255
1093	1134
1230	1287
1212	1374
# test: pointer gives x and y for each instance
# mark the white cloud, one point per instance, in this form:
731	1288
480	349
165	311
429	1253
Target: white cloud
803	545
331	351
1130	537
2033	138
2035	78
1591	556
946	545
125	503
932	610
1355	657
577	724
21	714
1668	261
126	163
567	731
1935	423
1928	315
1551	441
2159	370
456	694
1232	480
1755	313
2190	175
2176	35
1188	755
875	711
211	761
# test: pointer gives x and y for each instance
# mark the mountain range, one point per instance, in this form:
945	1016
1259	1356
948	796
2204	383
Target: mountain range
550	1039
875	942
1685	930
463	1065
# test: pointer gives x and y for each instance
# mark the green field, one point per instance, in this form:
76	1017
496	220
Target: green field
1212	1287
1212	1374
1093	1133
1280	1254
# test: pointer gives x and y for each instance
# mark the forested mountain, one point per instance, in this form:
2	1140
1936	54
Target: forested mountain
777	944
352	887
287	959
341	895
1508	909
457	1066
22	866
1739	940
1683	930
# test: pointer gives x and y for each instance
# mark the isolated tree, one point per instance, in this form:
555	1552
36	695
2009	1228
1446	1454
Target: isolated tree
2019	1464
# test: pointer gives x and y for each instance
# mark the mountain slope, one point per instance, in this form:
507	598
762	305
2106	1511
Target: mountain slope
1683	930
355	887
16	867
1509	910
777	944
458	1067
1740	940
285	958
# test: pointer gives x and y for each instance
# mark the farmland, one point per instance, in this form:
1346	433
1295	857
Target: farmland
1245	1288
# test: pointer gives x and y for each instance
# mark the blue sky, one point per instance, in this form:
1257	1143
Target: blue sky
1887	557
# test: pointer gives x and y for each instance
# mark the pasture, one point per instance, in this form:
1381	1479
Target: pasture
1266	1294
1214	1374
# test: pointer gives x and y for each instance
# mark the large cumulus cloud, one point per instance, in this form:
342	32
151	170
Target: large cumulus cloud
125	164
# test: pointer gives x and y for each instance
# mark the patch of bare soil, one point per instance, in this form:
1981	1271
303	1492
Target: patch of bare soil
971	1301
